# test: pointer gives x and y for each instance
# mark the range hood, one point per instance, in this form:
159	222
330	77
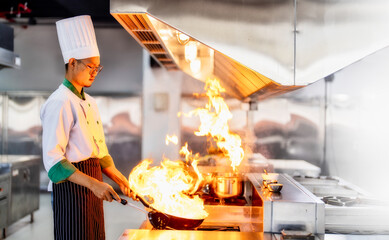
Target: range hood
7	57
256	48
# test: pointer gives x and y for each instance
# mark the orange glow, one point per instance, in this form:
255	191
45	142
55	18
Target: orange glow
170	186
214	118
167	186
193	160
172	139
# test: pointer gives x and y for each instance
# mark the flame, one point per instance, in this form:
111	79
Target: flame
193	160
214	118
171	185
172	139
167	185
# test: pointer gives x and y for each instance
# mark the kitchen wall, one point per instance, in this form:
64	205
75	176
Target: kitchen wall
163	95
161	103
340	124
358	124
43	67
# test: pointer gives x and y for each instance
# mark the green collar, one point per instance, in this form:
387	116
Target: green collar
69	85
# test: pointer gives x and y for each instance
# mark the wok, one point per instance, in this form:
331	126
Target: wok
160	220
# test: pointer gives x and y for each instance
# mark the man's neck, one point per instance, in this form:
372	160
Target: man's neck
76	86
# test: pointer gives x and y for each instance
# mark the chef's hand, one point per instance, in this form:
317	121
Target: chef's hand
102	190
121	180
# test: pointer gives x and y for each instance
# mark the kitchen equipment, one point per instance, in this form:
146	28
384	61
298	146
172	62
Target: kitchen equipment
7	56
274	187
227	185
161	220
262	211
270	176
296	235
257	49
294	209
4	196
23	184
348	209
141	234
237	214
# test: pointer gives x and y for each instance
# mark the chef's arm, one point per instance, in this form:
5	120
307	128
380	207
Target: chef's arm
102	190
118	178
109	169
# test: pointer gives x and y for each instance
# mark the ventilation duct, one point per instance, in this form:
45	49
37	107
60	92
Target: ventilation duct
256	48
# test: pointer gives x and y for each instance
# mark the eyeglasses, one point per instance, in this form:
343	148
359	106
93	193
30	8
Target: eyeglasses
93	69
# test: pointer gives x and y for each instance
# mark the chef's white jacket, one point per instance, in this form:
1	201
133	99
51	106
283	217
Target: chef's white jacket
72	132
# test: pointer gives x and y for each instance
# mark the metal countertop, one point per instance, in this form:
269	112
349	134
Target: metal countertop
141	234
135	234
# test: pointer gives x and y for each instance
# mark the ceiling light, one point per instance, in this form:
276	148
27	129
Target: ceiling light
190	51
182	38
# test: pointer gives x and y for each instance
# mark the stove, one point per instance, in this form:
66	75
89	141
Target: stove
348	209
258	210
239	214
256	214
237	201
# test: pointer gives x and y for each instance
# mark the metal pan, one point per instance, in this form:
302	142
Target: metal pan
160	220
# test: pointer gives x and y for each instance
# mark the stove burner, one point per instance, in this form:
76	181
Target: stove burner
219	228
339	201
210	228
237	201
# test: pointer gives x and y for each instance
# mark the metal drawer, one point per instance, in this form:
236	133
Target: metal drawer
4	185
3	211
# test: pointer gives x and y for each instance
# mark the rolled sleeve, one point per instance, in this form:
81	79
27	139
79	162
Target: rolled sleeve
106	161
61	171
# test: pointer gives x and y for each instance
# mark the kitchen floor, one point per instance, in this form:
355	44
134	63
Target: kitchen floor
117	219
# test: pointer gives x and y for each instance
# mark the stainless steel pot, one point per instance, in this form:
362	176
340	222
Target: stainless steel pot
227	185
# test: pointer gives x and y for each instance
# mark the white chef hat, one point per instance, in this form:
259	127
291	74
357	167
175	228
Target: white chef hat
77	38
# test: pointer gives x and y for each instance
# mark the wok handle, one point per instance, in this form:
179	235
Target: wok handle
122	201
144	202
125	202
141	199
140	209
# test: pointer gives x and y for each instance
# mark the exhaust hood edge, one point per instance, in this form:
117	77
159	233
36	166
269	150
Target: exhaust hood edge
140	28
8	59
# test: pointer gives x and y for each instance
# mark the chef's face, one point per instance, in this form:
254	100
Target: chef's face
84	70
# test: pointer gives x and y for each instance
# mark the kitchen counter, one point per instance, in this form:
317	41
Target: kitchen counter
20	185
293	208
355	237
9	159
140	234
135	234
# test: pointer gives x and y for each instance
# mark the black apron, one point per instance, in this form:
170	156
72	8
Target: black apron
78	213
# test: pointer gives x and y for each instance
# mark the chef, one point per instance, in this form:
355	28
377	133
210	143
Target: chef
74	150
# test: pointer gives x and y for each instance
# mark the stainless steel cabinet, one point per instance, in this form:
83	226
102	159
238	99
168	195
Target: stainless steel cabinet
22	188
24	194
4	193
4	196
